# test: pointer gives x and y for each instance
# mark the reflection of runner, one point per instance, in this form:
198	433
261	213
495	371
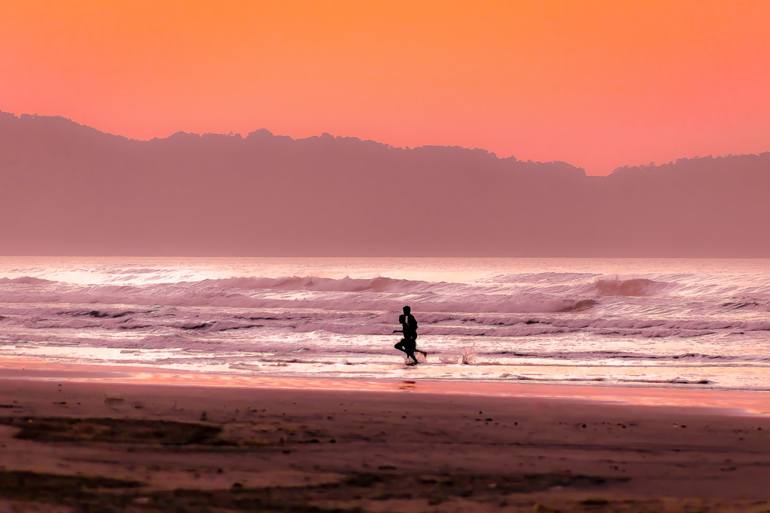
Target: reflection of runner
408	344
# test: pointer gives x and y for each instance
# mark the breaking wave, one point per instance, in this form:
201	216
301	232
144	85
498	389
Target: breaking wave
298	292
629	287
25	280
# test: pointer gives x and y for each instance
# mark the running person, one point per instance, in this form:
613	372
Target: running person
408	344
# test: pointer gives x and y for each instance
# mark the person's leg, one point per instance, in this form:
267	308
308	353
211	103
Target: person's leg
409	348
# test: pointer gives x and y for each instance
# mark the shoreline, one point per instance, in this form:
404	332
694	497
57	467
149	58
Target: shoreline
728	401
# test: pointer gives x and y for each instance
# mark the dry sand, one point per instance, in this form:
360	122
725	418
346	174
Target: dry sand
101	447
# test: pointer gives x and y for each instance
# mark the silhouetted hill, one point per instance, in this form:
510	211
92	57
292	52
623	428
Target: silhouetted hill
69	189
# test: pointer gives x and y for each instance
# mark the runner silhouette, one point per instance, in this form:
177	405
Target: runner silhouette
408	344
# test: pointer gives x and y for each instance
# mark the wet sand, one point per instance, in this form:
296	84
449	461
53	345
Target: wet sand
96	446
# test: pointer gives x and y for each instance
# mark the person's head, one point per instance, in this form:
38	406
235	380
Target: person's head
407	310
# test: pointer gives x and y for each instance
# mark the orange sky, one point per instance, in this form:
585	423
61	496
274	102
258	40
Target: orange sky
595	83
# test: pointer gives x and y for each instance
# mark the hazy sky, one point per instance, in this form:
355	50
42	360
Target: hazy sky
595	83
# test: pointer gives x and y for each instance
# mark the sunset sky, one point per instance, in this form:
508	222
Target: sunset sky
595	83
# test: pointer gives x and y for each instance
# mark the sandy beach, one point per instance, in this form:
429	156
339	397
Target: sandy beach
69	444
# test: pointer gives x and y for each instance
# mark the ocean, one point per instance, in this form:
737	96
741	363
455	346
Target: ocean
636	322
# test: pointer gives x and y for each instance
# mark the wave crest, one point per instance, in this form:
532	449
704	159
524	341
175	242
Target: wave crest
627	287
25	280
344	294
315	283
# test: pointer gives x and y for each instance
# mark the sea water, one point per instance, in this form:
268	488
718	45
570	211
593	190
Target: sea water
666	322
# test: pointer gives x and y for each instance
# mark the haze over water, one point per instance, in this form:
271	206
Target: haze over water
692	323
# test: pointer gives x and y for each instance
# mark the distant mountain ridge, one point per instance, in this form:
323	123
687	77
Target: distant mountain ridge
67	188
